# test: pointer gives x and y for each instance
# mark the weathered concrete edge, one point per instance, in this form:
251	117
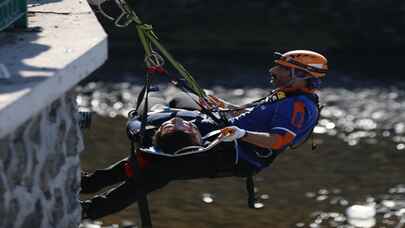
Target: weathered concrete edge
11	116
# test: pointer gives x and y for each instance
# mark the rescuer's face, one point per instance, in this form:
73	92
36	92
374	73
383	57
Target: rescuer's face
178	124
280	76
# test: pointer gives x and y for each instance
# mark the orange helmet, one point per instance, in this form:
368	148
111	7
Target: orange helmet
311	62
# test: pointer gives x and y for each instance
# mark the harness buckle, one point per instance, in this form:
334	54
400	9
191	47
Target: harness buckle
264	155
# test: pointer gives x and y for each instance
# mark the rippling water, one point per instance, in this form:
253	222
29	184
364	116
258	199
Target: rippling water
388	209
354	115
360	161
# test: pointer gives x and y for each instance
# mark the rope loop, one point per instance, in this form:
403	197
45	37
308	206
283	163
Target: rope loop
126	13
119	22
100	9
126	17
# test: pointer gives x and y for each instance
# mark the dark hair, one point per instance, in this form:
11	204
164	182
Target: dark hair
173	141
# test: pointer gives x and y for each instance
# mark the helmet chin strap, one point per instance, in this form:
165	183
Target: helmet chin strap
293	79
291	82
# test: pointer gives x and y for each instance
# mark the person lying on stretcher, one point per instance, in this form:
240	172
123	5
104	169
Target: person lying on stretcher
156	171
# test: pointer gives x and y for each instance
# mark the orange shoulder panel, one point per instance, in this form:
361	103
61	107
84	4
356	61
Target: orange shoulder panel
299	108
282	140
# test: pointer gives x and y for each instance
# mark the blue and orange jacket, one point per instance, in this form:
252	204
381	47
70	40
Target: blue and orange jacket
291	120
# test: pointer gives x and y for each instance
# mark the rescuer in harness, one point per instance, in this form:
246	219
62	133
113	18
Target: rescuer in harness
262	131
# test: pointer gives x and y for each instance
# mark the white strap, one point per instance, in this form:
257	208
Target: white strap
212	133
178	153
284	129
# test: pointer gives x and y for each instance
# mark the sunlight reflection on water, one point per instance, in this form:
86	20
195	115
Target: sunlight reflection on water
384	210
355	116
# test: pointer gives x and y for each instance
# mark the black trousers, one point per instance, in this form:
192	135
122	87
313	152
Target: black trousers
218	162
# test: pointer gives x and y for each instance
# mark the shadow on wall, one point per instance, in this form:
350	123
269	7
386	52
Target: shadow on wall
41	2
14	53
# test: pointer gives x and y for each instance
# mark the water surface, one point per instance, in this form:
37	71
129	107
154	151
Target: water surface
360	160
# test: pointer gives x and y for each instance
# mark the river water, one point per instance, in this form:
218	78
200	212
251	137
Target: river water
360	159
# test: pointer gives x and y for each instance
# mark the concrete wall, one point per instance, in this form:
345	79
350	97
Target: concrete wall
40	171
40	139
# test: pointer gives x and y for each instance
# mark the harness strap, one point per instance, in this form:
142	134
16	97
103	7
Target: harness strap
143	204
183	151
210	134
273	96
250	187
221	121
140	193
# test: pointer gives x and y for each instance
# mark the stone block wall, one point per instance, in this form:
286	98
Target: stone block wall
40	170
